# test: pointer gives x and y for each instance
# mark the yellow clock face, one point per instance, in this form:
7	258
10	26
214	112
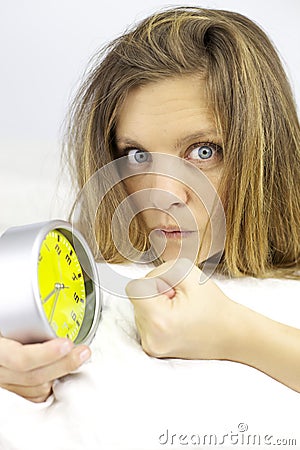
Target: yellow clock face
61	285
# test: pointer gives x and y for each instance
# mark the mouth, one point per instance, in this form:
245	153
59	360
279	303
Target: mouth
173	233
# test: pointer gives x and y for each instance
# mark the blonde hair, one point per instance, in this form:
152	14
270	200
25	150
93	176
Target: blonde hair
255	114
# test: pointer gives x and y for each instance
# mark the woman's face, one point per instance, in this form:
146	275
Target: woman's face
170	117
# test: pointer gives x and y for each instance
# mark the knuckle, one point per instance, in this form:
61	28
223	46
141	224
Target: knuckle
156	340
154	348
44	390
17	364
155	345
72	362
160	327
40	399
41	393
21	363
34	378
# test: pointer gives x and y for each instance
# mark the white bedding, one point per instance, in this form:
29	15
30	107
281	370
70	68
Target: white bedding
124	399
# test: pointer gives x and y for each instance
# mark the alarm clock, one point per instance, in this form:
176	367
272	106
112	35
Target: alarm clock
49	284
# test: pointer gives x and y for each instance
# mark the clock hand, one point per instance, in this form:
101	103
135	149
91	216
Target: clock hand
57	289
49	295
54	305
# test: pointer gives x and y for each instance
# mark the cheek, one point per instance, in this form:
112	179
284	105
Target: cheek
134	184
215	177
209	196
203	204
137	188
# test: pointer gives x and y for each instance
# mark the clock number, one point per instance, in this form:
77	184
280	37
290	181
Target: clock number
77	298
74	317
68	259
75	277
58	249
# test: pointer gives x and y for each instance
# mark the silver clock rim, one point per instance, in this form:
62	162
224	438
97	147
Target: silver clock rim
37	327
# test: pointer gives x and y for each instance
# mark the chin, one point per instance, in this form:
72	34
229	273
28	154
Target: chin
173	254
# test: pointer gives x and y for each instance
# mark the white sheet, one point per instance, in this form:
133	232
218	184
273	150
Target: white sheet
124	399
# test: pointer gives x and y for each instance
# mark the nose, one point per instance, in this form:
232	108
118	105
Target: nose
166	192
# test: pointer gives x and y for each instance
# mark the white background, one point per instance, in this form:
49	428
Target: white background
45	47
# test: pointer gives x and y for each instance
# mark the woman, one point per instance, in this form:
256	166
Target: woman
205	87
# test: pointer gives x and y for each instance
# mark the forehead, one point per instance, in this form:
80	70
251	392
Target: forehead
167	107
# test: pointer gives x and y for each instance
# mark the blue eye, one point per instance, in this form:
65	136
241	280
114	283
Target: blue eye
202	152
138	156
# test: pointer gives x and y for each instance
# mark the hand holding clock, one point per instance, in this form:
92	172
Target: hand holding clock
44	321
29	370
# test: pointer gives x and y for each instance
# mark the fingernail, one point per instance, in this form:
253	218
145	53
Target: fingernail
84	355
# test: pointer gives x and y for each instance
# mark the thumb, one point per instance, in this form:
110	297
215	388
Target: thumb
146	288
176	272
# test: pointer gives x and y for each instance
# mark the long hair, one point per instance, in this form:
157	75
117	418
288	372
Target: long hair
255	114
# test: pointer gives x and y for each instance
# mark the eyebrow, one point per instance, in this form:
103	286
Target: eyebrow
204	135
201	135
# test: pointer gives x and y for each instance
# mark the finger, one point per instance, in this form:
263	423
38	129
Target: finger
174	272
19	357
152	285
35	393
141	289
148	288
39	399
161	280
45	374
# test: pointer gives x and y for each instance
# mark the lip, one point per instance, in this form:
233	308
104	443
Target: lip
173	232
171	228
